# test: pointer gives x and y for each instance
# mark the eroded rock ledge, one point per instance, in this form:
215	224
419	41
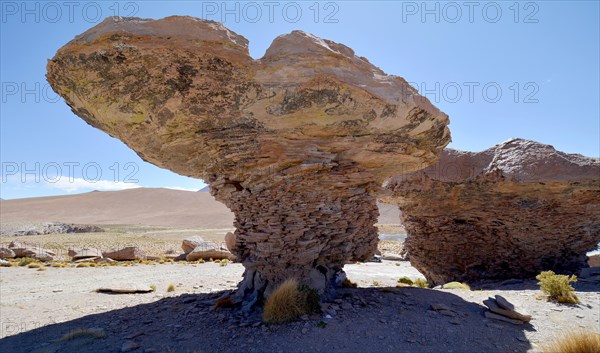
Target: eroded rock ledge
511	211
296	143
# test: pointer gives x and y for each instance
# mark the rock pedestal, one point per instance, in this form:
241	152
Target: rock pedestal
305	227
296	143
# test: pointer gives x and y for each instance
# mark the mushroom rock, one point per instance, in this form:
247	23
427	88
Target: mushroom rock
511	211
296	144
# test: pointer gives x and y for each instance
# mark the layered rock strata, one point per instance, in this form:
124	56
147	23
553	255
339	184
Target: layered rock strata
511	211
296	143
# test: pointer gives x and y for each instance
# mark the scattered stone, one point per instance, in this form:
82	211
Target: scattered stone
125	289
438	307
129	346
6	253
209	250
503	307
125	254
189	244
491	315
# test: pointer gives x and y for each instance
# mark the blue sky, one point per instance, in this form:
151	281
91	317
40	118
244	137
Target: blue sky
498	69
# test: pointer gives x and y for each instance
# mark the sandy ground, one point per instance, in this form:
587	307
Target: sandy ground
39	307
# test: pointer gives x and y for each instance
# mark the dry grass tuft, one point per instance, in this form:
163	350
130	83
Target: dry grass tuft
34	265
83	264
421	283
557	287
284	303
575	342
25	261
456	285
93	333
171	288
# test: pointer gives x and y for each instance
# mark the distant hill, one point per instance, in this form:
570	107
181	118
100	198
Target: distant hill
144	206
205	189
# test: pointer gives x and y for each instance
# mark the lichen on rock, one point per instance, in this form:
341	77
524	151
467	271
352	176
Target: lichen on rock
296	144
511	211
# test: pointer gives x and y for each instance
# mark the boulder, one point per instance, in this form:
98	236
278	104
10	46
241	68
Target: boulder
6	253
23	250
17	244
296	143
520	207
594	260
125	254
208	250
230	240
189	244
84	253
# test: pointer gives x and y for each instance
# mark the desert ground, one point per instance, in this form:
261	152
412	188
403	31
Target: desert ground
43	311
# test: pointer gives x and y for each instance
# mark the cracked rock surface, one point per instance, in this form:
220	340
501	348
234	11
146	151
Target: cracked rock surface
511	211
296	143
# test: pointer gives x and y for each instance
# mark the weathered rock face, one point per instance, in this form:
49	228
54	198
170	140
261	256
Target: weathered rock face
511	211
296	143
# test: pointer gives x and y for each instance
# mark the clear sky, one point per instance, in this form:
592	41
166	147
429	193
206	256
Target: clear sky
498	69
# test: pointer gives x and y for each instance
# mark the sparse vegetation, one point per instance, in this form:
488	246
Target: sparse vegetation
421	283
406	280
289	301
83	264
575	342
310	300
557	287
93	333
376	283
171	288
25	261
224	263
456	285
153	287
348	284
42	268
283	304
201	261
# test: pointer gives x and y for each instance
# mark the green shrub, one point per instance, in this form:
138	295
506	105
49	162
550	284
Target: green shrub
557	287
406	280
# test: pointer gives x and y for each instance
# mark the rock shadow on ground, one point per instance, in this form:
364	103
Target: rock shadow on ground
362	319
